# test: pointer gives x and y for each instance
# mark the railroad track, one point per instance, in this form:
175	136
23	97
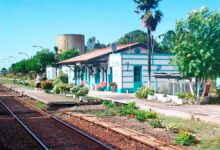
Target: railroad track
44	130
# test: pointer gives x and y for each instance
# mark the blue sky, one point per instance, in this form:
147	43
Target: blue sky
24	23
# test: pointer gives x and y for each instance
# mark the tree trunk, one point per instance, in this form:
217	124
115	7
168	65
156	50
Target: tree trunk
199	82
191	87
206	88
149	58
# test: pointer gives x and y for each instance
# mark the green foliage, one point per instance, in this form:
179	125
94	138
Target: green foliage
185	138
47	85
108	104
141	115
214	100
93	44
63	77
167	40
128	109
68	54
56	89
75	89
151	115
175	128
133	36
64	88
143	92
186	96
41	105
37	63
82	92
196	45
156	123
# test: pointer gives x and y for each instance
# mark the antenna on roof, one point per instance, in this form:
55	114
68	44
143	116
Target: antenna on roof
114	47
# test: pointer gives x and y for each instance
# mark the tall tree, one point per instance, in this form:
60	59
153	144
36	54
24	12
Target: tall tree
167	40
133	36
197	47
150	19
68	54
56	50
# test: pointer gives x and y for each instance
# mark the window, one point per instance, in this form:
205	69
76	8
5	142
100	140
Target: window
137	50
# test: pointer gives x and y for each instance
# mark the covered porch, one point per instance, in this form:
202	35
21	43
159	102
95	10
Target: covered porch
93	73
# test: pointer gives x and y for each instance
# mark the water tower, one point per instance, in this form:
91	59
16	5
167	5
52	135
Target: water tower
70	41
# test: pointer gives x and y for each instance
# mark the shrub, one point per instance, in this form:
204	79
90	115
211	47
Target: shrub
186	96
57	81
156	123
175	128
108	104
143	92
214	100
64	87
56	89
185	138
141	115
75	89
47	85
128	109
151	115
63	77
82	92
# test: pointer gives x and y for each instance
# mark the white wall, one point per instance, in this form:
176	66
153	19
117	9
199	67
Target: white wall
51	73
115	61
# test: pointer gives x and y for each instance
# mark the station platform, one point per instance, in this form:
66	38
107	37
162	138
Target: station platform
49	99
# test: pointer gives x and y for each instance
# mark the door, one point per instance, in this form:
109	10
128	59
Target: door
137	77
97	76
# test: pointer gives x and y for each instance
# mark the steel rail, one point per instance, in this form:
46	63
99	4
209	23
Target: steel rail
65	124
68	125
41	144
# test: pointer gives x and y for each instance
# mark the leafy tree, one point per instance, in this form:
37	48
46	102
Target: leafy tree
68	54
136	36
93	44
43	58
167	40
197	47
133	36
150	19
37	63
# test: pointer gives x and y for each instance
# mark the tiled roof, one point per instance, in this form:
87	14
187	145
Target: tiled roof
96	53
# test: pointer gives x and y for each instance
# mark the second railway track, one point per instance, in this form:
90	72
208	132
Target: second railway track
47	131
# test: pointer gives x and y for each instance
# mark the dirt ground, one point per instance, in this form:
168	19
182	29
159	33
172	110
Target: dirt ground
143	127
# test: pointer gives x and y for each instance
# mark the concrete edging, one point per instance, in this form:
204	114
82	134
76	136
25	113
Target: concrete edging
134	135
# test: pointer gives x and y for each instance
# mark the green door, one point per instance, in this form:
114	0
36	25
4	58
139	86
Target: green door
97	76
137	77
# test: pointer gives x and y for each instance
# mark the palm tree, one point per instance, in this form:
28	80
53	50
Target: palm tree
150	19
56	50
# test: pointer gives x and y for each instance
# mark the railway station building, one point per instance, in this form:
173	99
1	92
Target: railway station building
126	65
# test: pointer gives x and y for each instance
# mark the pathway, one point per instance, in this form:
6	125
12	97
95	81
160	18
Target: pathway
208	113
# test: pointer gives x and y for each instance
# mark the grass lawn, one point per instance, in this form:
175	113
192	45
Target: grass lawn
4	80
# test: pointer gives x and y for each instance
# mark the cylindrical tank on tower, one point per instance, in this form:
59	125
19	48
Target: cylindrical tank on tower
70	41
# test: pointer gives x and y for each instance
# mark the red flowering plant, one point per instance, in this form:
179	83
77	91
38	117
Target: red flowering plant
83	83
101	86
